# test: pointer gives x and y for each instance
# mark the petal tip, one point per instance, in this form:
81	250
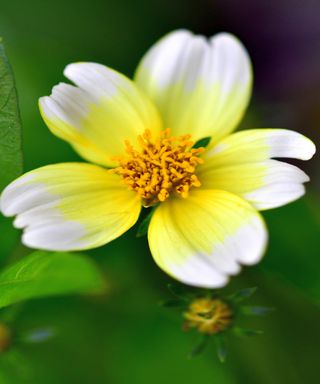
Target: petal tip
310	149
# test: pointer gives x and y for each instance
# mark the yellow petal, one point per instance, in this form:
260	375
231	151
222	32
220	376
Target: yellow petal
70	206
201	87
203	239
242	164
98	114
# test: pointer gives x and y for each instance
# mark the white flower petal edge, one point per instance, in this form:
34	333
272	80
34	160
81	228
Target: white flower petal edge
263	143
242	164
202	240
100	113
200	86
70	206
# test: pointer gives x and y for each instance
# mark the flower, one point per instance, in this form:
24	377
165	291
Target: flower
206	222
208	315
214	314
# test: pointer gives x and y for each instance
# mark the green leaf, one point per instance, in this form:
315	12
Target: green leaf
44	274
9	315
144	225
204	142
10	124
247	332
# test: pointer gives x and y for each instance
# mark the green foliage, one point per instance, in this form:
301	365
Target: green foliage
44	274
10	124
293	253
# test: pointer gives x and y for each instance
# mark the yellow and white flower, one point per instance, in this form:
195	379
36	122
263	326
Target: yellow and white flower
206	222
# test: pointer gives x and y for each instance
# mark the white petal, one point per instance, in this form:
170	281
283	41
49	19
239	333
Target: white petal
261	144
241	164
98	115
276	195
202	240
201	87
266	184
70	206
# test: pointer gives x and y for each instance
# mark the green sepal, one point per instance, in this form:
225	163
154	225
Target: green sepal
204	142
255	310
200	347
180	291
221	347
171	303
243	294
144	225
247	331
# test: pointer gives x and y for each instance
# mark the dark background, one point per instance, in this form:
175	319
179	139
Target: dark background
126	337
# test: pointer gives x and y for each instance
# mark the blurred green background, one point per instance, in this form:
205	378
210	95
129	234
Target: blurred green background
125	336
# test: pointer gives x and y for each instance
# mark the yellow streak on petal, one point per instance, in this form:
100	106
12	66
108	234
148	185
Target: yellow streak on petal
204	238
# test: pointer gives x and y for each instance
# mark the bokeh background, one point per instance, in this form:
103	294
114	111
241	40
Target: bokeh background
125	336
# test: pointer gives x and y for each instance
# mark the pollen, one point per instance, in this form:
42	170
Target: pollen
161	167
209	316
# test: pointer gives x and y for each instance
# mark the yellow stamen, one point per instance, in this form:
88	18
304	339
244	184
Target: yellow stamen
208	315
160	167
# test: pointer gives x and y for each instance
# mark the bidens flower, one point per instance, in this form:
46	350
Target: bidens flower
206	222
208	315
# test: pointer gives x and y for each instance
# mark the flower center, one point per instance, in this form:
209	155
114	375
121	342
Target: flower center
208	315
161	167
